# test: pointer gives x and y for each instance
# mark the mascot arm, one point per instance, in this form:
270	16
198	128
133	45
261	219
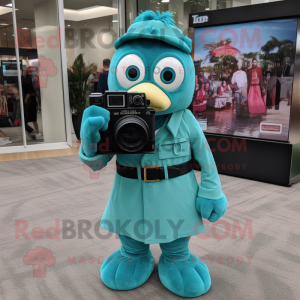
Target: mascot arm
97	162
211	203
94	120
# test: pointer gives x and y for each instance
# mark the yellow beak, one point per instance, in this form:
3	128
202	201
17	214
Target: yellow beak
158	99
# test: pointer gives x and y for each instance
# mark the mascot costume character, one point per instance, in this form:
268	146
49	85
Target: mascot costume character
153	57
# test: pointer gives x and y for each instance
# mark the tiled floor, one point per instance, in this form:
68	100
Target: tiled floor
252	253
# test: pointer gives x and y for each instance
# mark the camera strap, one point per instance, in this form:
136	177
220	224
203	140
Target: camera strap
155	173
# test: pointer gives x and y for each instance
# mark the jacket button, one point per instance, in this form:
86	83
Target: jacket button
149	184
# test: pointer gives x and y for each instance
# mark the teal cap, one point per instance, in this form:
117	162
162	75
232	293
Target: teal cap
159	27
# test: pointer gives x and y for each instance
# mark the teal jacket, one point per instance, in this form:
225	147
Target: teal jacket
162	211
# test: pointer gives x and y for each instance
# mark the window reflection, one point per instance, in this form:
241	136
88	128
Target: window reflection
182	8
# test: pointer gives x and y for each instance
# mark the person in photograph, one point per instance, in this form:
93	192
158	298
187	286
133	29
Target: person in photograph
102	83
271	87
196	83
288	68
200	99
201	94
244	65
3	105
287	84
30	105
93	76
248	67
195	92
223	88
213	86
256	101
207	88
240	78
4	139
223	95
37	89
202	78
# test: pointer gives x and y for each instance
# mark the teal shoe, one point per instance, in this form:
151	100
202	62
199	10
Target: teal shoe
184	276
120	272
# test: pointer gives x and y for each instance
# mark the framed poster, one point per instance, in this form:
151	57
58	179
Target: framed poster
244	78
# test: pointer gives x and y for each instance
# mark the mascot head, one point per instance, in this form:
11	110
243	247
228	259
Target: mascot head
153	57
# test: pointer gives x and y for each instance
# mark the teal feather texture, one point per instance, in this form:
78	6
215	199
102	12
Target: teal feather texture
166	17
150	30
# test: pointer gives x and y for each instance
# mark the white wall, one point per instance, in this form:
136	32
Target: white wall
237	3
258	1
95	52
53	118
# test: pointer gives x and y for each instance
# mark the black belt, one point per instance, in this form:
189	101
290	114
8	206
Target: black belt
155	173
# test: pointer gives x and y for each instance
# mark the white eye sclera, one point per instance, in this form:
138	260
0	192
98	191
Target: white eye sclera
130	70
169	73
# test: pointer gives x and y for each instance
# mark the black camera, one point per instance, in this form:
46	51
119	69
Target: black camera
131	128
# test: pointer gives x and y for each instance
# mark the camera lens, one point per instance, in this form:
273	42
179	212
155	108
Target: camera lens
131	133
137	100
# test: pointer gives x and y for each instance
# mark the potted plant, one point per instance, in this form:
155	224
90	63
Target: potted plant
79	90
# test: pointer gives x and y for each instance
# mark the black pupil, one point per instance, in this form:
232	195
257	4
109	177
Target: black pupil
168	75
132	73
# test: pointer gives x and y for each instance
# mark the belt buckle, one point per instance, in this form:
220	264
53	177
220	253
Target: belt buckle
145	173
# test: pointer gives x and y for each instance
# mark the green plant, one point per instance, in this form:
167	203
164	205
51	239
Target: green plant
79	89
265	65
226	64
285	48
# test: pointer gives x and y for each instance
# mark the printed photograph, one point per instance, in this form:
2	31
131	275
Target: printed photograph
244	78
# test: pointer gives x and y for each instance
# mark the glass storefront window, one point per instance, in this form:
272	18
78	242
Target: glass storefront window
91	30
41	114
40	54
131	12
10	108
93	33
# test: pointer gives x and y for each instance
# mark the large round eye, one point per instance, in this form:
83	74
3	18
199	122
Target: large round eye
130	70
169	73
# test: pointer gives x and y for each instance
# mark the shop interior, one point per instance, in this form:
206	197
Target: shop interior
90	30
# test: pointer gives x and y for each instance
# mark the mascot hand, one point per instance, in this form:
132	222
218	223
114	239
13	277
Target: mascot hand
212	210
94	118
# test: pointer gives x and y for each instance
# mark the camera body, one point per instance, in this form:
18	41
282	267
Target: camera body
131	129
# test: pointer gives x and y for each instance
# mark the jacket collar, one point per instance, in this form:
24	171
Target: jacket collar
171	125
174	122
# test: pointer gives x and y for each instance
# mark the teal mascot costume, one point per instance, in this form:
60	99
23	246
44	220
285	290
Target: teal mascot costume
154	57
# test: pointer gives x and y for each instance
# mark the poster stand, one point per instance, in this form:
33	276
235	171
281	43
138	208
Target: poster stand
263	158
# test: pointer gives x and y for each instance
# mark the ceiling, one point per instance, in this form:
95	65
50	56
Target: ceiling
89	13
25	11
79	4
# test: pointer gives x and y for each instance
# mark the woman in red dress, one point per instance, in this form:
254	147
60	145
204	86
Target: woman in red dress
223	88
199	102
201	94
256	102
